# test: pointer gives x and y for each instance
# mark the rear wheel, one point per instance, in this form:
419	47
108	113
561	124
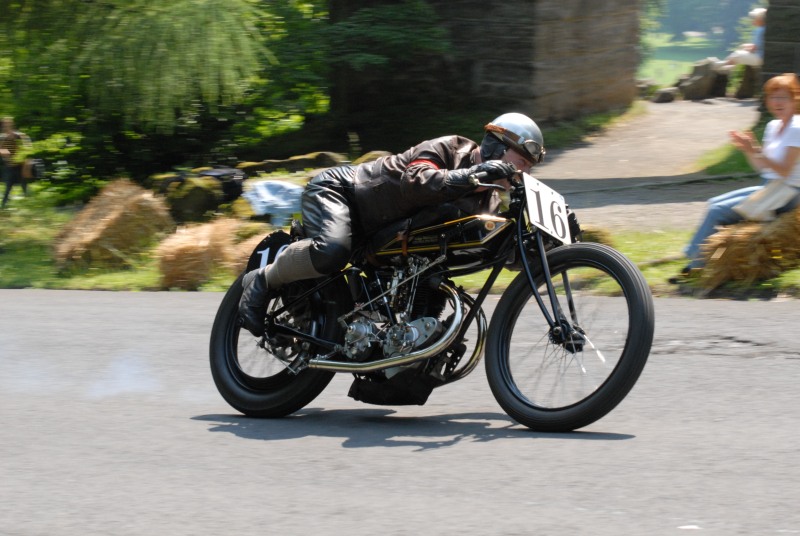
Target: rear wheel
252	376
557	383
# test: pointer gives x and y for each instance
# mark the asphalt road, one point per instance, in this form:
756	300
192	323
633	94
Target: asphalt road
111	425
641	173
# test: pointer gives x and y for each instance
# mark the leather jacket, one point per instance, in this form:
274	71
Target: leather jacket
401	185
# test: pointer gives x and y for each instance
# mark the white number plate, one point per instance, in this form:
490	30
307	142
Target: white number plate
547	209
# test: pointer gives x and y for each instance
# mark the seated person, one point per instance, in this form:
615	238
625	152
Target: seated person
752	53
777	158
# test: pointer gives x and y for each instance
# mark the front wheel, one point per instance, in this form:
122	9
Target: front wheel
562	380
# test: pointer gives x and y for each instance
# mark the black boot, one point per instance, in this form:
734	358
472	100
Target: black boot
253	304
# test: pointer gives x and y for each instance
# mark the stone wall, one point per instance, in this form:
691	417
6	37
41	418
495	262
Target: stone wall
782	38
552	59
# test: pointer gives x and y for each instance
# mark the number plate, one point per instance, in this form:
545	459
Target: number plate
547	209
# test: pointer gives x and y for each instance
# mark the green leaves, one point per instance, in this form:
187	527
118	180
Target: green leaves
373	36
145	63
155	63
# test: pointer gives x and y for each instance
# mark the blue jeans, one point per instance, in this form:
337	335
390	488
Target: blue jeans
720	212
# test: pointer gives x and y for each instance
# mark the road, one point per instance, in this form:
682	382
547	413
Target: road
111	425
640	173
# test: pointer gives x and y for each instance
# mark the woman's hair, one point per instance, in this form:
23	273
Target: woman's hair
787	81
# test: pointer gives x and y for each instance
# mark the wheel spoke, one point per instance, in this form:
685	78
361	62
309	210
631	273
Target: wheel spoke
251	374
576	373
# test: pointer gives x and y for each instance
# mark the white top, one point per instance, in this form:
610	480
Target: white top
775	144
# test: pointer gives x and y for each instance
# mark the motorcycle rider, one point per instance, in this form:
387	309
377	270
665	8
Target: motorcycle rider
347	201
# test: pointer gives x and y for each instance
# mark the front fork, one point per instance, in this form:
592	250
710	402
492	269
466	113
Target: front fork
561	331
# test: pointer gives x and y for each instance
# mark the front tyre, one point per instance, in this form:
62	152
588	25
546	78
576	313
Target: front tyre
551	384
253	378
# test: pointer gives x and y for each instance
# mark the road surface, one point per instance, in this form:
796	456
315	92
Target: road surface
111	425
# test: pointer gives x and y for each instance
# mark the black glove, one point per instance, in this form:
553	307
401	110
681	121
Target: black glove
493	170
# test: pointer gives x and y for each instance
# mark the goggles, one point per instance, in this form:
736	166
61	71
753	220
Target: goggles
528	148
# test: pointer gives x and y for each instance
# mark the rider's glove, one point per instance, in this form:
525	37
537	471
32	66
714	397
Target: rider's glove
493	170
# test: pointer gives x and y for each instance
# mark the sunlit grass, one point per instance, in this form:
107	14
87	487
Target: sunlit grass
669	60
727	160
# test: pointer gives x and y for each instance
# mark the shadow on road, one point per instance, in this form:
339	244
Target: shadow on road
383	428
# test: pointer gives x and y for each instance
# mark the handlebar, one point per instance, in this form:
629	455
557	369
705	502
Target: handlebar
475	180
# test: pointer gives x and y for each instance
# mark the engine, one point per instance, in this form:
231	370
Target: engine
365	338
398	311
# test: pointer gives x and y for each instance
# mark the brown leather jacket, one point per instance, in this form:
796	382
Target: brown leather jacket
404	184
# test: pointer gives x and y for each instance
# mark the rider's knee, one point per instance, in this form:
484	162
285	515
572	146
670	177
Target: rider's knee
328	258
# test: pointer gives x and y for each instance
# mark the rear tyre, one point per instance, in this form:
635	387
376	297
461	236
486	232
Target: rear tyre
253	378
552	385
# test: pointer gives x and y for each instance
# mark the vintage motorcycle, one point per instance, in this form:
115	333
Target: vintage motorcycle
568	339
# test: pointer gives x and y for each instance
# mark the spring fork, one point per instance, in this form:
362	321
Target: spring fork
559	328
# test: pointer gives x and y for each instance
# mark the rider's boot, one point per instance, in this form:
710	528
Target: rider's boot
293	264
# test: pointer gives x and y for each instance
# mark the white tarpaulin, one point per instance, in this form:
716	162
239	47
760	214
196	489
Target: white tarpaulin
279	199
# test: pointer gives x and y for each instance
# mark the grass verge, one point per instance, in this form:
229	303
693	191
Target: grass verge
669	60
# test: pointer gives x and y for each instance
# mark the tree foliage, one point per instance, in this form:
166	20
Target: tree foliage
373	36
148	64
107	87
147	85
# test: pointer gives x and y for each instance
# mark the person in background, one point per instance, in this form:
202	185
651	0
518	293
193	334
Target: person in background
751	53
778	157
11	143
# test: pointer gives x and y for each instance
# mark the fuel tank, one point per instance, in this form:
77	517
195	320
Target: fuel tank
467	240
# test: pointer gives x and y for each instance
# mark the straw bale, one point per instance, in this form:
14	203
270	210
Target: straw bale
370	157
188	258
750	252
120	221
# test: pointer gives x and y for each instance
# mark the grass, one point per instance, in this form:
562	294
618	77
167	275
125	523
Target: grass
669	60
727	160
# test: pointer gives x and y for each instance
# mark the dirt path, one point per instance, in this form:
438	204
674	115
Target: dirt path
640	174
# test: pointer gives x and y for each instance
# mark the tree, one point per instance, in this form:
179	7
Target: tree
385	58
148	64
140	85
135	86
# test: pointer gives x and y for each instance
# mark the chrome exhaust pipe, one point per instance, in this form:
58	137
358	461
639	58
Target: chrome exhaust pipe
405	359
480	341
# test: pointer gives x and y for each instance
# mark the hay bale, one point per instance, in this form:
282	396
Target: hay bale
322	159
121	220
188	258
748	252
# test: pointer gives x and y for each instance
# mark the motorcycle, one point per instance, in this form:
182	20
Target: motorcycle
567	341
